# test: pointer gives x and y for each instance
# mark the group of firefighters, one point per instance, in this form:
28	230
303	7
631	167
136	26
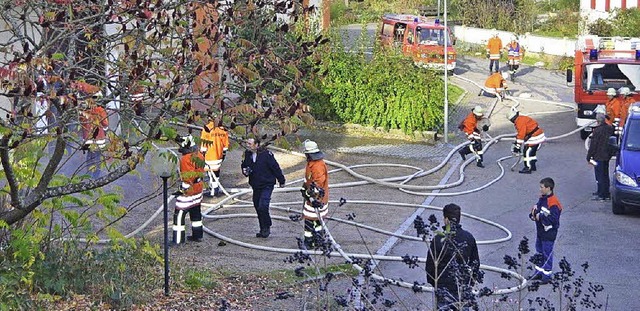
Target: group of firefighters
203	165
496	83
617	107
529	136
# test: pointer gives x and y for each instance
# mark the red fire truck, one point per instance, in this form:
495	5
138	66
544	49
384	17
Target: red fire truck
421	38
602	63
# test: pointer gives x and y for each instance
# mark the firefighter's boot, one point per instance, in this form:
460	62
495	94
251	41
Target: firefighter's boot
479	162
525	170
533	165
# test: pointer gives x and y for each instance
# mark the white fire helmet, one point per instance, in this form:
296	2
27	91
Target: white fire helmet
625	91
478	111
611	92
512	114
505	75
310	146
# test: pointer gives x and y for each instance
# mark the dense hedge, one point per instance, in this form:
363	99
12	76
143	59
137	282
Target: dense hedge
385	91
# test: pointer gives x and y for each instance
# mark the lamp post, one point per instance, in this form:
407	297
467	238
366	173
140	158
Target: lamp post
163	163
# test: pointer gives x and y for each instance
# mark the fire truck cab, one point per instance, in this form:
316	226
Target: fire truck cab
421	38
602	63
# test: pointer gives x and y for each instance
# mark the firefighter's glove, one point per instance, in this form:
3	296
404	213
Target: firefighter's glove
246	171
224	154
304	193
516	148
487	55
485	128
316	204
477	145
177	193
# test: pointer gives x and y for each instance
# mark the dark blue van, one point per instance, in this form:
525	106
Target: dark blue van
626	178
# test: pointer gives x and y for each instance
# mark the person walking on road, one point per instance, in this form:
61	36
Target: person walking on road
494	45
453	263
315	191
515	52
529	136
214	143
189	195
546	215
263	170
469	126
599	155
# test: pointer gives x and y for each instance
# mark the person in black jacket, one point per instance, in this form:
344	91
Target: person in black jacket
599	155
453	263
261	167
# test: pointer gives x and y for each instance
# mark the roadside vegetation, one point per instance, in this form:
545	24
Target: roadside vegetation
380	88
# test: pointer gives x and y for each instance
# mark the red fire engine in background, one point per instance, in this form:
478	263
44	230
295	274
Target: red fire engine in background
421	38
602	63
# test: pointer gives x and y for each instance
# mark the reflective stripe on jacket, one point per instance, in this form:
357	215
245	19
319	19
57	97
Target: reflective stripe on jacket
525	126
191	174
214	140
493	47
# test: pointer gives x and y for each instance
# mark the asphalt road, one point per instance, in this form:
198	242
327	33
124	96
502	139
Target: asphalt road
589	231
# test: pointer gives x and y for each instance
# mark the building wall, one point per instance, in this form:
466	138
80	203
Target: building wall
595	9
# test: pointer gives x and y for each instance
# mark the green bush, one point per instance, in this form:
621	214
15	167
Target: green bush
122	274
626	23
387	91
601	27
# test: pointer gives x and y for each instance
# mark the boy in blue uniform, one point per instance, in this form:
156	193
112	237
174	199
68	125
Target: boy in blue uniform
546	214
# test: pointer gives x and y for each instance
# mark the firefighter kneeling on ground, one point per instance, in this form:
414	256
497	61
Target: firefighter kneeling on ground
496	84
315	192
189	197
470	127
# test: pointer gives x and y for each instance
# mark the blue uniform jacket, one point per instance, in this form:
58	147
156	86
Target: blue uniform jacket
548	210
264	171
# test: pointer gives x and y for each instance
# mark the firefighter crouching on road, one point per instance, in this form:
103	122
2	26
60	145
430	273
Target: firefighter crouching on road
95	123
189	196
496	84
470	127
214	143
515	53
612	107
528	138
315	192
494	45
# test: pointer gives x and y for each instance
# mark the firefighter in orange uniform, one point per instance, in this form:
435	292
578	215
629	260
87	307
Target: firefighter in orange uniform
515	52
95	123
528	138
214	143
189	196
494	45
626	101
315	192
612	107
470	127
496	84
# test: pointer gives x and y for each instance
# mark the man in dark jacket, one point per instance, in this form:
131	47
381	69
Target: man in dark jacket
261	167
598	155
453	263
